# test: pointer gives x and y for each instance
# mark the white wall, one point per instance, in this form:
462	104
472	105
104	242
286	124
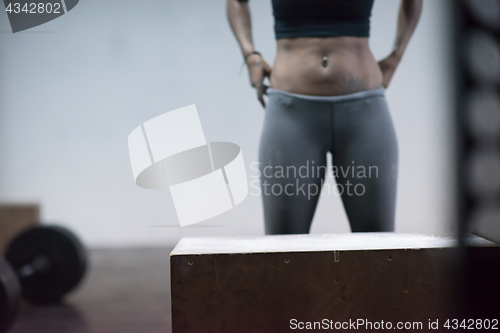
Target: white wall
73	89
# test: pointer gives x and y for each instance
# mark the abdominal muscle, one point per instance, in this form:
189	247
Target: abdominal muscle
299	66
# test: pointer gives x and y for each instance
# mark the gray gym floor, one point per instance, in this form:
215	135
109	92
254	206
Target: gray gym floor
125	290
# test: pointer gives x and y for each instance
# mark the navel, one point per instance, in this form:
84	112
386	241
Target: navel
325	61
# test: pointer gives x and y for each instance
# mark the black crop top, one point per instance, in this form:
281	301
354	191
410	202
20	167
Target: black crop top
321	18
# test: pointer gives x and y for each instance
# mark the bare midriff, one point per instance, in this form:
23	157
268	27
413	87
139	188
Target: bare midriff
325	66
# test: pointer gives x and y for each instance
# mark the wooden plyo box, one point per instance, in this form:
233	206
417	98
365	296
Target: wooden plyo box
271	283
14	219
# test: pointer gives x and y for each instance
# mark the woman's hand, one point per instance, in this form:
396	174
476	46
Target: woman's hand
409	14
388	67
258	69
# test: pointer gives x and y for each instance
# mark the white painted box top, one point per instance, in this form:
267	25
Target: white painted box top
316	243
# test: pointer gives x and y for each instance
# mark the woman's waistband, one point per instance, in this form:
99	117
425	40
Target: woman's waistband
337	98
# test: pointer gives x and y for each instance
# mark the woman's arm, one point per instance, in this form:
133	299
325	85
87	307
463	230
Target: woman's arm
238	15
409	14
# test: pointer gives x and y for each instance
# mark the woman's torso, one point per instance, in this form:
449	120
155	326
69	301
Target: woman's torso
332	64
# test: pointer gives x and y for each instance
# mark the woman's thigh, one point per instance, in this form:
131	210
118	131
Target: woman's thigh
292	161
365	161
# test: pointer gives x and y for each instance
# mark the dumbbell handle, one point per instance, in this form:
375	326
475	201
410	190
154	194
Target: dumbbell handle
38	265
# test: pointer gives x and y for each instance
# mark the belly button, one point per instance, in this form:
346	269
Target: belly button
325	61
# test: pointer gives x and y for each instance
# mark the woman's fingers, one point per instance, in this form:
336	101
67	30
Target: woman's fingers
267	69
256	76
388	67
261	91
261	100
387	74
257	82
258	69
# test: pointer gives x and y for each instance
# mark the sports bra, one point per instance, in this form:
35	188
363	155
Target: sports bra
321	18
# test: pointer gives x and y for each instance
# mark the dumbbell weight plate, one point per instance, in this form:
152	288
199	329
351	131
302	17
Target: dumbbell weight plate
65	254
10	296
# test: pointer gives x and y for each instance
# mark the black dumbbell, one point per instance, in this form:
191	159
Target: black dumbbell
43	264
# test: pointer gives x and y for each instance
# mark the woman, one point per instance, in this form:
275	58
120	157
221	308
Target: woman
326	95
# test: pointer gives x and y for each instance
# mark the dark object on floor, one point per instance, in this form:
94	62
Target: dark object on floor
49	262
10	295
479	284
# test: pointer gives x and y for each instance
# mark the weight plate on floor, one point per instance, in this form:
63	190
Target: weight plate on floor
10	296
66	262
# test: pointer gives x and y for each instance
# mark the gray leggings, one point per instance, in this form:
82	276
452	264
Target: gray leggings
299	131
